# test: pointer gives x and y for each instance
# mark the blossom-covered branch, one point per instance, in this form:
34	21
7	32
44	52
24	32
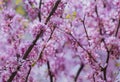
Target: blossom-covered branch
34	41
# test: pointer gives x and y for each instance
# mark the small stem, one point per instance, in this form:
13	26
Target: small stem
28	74
94	78
104	3
39	13
108	53
104	73
13	74
40	55
89	54
78	72
52	11
32	45
103	40
86	30
118	27
49	71
96	10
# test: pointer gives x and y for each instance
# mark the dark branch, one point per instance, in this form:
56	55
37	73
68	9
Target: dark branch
39	13
78	72
49	71
25	55
89	54
13	74
108	52
96	10
85	30
118	27
104	69
104	3
94	78
40	55
34	41
28	74
52	11
32	45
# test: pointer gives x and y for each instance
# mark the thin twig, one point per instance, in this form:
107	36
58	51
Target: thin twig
86	30
49	71
32	45
118	27
52	11
28	74
78	72
104	3
108	51
94	78
13	74
39	13
104	69
89	54
40	55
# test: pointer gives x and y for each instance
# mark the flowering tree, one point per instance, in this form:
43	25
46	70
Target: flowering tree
59	40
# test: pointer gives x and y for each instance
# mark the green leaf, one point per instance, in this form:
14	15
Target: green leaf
20	10
17	2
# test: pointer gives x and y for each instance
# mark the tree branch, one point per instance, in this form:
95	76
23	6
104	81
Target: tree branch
40	55
34	41
32	45
104	69
26	80
78	72
89	54
52	11
49	71
13	74
94	78
86	30
108	52
118	27
39	13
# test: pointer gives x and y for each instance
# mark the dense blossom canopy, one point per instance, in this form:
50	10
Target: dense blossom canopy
59	40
